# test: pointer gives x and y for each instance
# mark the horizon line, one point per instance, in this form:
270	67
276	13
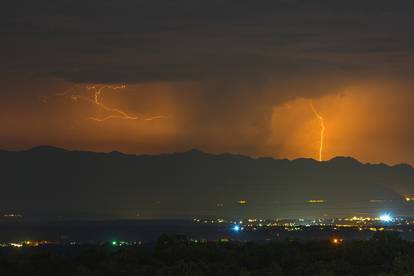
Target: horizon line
209	153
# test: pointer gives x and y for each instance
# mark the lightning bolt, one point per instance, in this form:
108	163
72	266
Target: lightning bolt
322	124
97	100
117	113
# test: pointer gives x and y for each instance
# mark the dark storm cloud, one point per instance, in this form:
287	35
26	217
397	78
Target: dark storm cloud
138	41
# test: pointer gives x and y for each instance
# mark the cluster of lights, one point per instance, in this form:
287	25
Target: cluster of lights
237	227
12	216
368	223
27	243
124	243
316	201
355	218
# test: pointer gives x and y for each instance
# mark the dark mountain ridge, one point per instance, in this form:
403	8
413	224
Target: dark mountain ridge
53	182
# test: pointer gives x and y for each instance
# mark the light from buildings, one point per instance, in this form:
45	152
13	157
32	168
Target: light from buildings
409	198
386	217
336	241
236	228
316	201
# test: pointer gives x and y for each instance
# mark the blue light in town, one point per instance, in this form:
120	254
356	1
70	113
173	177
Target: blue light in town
236	228
386	217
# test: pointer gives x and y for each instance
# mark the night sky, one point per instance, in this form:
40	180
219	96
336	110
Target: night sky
220	76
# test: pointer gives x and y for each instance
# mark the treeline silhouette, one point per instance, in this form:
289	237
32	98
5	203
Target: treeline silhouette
384	254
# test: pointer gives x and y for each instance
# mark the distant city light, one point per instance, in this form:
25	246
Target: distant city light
114	243
337	241
316	201
236	228
409	198
386	218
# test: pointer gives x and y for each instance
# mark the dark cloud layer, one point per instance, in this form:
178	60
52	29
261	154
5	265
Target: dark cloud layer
138	41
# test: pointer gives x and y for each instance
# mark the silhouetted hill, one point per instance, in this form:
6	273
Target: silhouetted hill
52	182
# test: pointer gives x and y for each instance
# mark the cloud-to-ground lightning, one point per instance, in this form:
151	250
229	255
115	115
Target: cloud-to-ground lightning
322	134
97	100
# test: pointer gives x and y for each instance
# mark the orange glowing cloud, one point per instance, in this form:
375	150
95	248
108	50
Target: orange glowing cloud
371	122
362	122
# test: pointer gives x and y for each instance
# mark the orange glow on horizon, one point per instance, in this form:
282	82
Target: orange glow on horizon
359	120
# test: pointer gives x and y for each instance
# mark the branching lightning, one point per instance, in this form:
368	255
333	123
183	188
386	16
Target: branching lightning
97	100
322	124
117	114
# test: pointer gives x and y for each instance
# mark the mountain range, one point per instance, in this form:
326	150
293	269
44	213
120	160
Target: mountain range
50	182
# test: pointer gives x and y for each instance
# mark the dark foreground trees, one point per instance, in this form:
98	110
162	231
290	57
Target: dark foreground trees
384	254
